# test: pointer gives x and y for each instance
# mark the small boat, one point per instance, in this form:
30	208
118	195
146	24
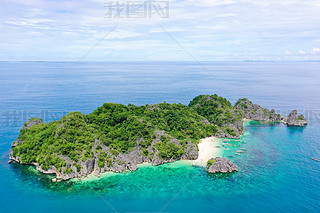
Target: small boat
225	140
218	146
238	140
230	156
239	151
315	159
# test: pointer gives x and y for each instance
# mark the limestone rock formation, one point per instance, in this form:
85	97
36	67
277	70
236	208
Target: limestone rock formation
255	111
220	165
31	122
294	120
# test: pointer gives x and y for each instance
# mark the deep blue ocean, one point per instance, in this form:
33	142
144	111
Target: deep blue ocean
276	173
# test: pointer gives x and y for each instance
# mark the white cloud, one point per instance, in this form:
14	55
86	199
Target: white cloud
315	51
28	22
226	15
287	52
167	29
215	27
121	34
213	3
233	29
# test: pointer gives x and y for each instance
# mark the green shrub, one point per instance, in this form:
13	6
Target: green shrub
210	162
68	170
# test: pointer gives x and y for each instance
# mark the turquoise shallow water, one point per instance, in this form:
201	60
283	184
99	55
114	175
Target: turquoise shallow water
276	172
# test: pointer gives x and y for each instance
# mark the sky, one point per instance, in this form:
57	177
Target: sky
177	30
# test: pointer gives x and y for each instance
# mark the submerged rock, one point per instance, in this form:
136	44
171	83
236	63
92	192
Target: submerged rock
294	120
220	165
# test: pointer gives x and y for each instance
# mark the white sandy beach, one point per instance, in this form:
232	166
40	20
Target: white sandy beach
207	150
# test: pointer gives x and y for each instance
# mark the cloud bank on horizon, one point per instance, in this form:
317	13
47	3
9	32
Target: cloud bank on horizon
206	30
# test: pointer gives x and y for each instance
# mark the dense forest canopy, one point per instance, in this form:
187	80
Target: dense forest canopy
165	131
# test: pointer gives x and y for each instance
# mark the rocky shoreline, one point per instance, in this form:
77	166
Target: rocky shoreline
120	162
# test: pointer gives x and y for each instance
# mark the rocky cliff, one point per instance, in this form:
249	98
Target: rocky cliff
255	112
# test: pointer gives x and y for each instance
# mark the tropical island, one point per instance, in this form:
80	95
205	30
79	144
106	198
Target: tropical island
117	137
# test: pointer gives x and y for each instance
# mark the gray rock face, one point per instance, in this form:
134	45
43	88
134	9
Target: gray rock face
294	120
243	109
17	159
255	111
31	122
221	165
87	166
16	142
192	152
237	126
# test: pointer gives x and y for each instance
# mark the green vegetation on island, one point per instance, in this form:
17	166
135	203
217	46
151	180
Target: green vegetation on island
117	137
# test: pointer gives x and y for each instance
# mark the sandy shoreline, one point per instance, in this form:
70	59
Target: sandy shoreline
207	150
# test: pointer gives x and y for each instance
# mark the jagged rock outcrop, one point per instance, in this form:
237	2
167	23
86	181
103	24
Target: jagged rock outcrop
294	120
236	128
220	165
31	122
255	111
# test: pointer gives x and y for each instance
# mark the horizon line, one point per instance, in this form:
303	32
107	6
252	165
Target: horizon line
161	61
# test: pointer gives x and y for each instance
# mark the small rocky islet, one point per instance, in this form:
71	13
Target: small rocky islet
221	165
294	119
117	137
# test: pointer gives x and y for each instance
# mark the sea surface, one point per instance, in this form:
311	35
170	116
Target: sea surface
276	172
